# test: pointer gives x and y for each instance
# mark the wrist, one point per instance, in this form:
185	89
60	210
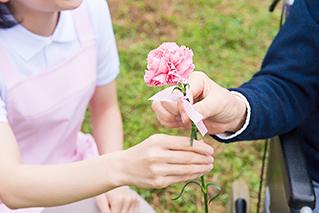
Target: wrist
116	174
240	114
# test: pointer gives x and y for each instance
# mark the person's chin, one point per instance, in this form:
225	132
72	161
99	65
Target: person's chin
70	4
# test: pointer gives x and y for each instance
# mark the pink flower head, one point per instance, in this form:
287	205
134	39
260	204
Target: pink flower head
169	64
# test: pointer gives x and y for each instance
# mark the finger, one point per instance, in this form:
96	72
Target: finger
102	204
170	124
184	117
163	115
182	170
182	143
125	207
197	85
202	148
136	206
116	205
171	107
132	208
182	157
203	109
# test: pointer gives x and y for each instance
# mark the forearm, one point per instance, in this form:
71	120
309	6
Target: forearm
106	119
108	129
52	185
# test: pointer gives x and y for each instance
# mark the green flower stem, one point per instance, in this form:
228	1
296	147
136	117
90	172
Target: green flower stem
182	87
204	186
193	134
205	193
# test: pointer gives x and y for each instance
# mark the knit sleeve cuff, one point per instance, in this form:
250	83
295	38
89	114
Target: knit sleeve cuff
226	136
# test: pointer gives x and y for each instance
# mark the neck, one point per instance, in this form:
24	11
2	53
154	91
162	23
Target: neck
41	23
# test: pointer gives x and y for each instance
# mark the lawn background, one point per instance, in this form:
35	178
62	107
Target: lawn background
229	39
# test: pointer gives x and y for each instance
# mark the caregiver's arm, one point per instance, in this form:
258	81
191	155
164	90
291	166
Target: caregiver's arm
165	160
106	119
108	134
36	185
281	95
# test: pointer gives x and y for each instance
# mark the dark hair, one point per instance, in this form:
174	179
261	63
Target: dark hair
6	18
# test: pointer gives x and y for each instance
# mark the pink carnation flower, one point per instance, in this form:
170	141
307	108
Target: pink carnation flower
169	64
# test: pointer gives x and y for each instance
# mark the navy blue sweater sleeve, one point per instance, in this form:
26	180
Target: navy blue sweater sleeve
286	90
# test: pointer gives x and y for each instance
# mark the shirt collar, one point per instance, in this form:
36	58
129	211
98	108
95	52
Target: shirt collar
27	44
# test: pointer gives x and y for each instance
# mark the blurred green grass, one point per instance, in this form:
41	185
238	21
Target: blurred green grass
229	39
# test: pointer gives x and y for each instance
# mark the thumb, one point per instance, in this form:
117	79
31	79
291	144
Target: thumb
204	107
197	85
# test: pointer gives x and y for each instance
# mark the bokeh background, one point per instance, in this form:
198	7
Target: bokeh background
229	39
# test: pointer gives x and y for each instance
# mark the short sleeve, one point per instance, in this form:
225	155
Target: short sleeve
108	65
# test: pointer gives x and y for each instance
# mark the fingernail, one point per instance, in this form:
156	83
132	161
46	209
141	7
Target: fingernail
211	166
212	159
211	150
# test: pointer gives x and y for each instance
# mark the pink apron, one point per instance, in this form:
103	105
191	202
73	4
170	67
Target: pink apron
46	110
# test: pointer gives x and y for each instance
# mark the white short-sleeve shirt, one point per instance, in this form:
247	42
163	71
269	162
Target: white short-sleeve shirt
31	53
